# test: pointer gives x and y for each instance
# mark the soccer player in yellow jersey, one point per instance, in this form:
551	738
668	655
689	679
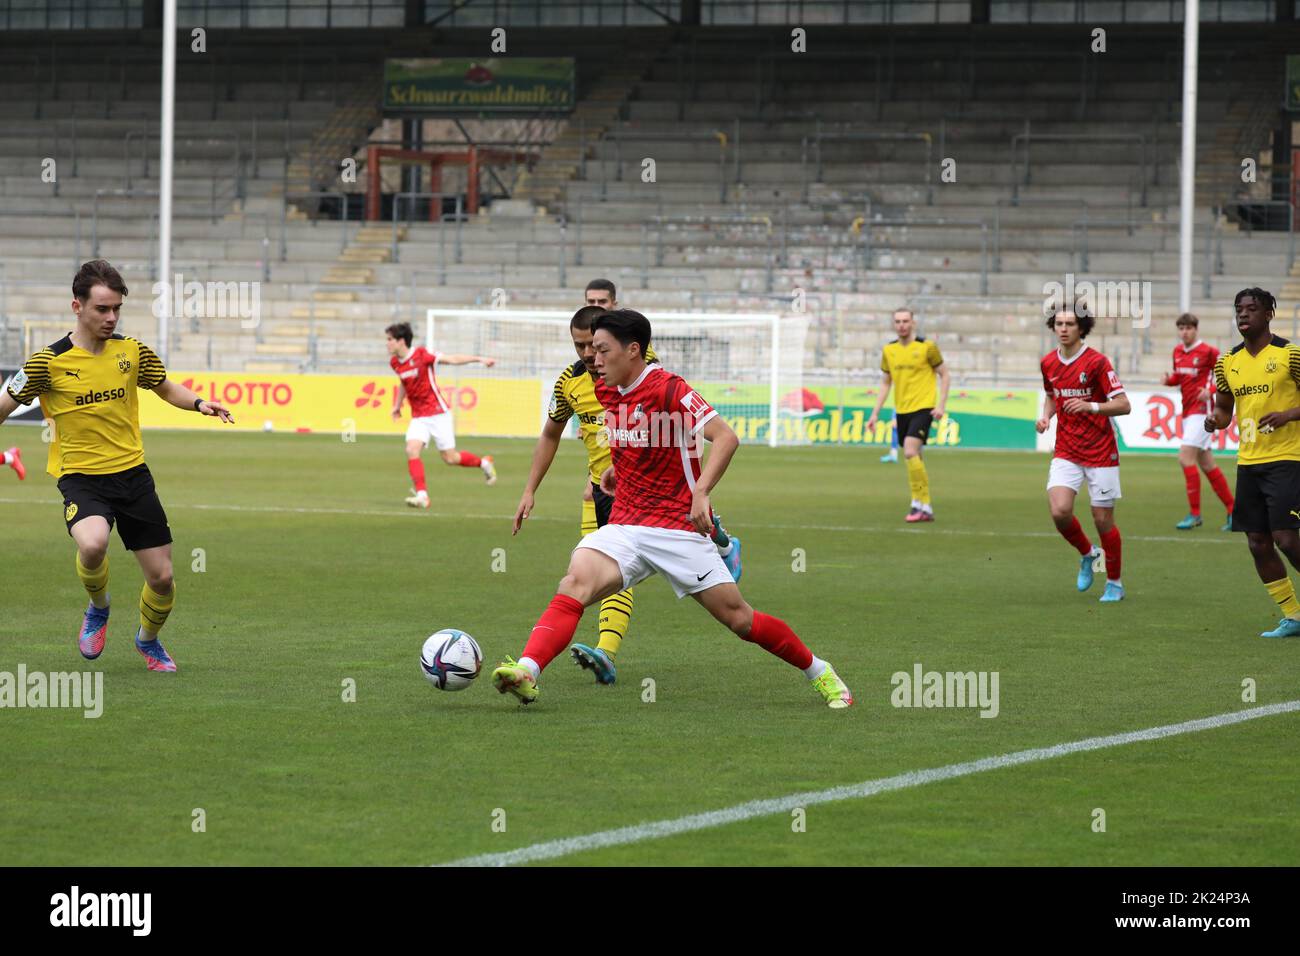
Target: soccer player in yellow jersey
917	369
87	383
575	395
1261	377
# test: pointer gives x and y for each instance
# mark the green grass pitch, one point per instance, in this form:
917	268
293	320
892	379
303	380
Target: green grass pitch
316	572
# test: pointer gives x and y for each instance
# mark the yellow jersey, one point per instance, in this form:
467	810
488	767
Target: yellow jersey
912	369
92	401
1263	383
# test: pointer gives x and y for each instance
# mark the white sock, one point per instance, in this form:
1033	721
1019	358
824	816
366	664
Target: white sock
723	552
927	509
916	503
422	493
815	669
8	458
532	666
1116	583
104	598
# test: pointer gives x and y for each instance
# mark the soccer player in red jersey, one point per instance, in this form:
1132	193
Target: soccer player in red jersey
1193	372
660	519
1084	392
431	418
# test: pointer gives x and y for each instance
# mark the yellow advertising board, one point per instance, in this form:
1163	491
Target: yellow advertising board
336	403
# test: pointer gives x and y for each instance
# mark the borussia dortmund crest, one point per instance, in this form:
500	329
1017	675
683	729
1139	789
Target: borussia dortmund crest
71	512
123	363
1270	366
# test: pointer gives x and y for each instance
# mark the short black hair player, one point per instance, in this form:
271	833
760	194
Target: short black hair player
1261	379
88	384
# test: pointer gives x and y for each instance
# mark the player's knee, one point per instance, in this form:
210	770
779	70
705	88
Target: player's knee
160	582
451	457
1062	516
1261	545
741	622
92	555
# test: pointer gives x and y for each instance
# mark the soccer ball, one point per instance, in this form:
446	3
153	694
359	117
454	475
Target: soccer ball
451	659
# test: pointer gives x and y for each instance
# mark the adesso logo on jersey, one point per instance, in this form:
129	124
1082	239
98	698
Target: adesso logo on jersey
77	909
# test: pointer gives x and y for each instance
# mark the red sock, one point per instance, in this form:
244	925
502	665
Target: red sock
774	636
1192	475
1110	543
554	630
1074	534
1219	482
416	467
468	460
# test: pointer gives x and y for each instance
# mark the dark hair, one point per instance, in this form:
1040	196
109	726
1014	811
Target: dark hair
401	330
1187	319
1081	315
93	273
605	286
627	326
584	317
1261	296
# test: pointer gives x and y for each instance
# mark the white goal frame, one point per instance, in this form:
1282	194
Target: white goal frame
552	316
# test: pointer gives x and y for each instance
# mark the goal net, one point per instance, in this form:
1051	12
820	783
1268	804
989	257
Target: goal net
749	366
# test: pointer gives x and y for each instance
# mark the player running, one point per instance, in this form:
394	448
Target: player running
431	419
1193	372
1084	392
1260	377
87	382
575	394
660	517
920	371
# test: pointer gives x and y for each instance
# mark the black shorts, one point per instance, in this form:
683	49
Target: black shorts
604	505
1268	497
126	498
914	424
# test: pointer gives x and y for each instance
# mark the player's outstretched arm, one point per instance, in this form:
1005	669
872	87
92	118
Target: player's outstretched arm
543	455
176	394
467	360
724	444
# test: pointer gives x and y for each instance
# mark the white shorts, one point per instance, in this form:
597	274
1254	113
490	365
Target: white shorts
687	560
436	428
1103	483
1194	432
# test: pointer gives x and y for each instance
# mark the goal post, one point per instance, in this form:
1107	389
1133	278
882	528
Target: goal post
748	365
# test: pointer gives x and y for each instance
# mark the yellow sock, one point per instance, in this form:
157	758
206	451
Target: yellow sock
918	479
615	615
588	517
154	608
95	582
1284	594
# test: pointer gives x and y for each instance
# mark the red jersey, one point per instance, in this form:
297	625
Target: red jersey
1193	371
416	373
654	440
1085	439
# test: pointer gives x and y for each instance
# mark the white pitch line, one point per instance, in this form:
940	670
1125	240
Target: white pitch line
505	518
551	849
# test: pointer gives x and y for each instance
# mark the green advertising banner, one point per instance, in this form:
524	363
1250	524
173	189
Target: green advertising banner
829	415
1293	82
496	85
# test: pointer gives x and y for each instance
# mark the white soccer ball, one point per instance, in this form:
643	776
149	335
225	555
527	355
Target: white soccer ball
451	659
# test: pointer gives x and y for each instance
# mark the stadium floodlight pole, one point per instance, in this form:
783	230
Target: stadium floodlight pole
1187	184
165	131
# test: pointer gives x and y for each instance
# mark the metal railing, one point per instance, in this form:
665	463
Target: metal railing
1028	136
